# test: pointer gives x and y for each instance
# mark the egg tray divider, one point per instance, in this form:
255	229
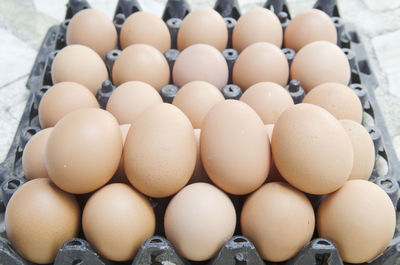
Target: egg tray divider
238	250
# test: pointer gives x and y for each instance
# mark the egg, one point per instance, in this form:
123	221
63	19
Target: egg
141	62
279	220
257	25
203	25
93	29
117	220
311	149
61	99
359	219
84	150
80	64
274	175
39	218
260	62
130	99
33	156
234	147
147	28
340	100
160	152
320	62
309	26
363	148
199	220
200	62
199	174
195	99
120	176
268	99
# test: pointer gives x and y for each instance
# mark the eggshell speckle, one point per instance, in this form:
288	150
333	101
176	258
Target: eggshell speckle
199	220
234	147
359	219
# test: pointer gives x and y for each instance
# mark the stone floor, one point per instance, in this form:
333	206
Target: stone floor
23	24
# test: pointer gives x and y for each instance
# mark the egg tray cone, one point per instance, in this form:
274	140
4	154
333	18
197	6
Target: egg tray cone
238	250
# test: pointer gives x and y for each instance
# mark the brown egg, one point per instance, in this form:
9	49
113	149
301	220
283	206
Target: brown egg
80	64
160	152
203	25
93	29
63	98
120	176
130	99
117	220
84	150
257	25
199	174
33	156
311	149
308	26
268	99
274	175
260	62
199	220
363	148
200	62
147	28
320	62
39	218
141	62
279	220
340	100
234	147
195	99
359	219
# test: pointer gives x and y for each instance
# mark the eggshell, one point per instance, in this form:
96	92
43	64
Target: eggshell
359	219
268	99
279	220
257	25
311	149
141	62
117	220
274	175
308	26
80	64
260	62
199	220
147	28
203	25
39	218
199	174
363	148
84	150
130	99
340	100
195	99
200	62
33	161
234	147
160	152
120	176
320	62
63	98
93	29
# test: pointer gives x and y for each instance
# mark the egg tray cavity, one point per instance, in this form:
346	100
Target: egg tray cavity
238	250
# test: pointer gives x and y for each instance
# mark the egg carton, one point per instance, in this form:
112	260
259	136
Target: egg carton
239	249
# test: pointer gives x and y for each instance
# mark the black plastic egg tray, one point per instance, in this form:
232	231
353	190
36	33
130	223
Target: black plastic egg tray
238	250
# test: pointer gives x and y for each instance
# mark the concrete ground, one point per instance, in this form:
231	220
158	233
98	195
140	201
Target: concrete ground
23	24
